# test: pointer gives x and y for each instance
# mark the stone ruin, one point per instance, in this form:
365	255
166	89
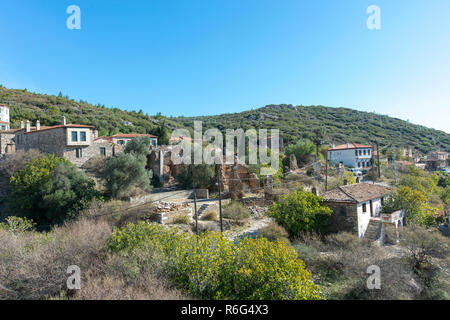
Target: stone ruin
236	179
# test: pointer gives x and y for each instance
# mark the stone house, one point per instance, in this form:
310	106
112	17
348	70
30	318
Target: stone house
436	160
75	142
351	155
356	206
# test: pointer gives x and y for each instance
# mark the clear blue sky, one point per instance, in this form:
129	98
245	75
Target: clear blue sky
197	57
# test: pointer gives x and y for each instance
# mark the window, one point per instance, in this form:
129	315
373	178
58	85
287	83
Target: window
74	136
121	142
79	152
356	152
82	136
364	152
360	152
382	201
364	207
103	151
368	152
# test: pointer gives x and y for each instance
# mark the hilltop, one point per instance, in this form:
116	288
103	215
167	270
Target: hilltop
49	109
295	122
341	124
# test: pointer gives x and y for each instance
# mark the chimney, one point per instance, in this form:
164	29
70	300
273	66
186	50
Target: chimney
63	121
333	146
22	125
27	126
348	145
38	125
345	182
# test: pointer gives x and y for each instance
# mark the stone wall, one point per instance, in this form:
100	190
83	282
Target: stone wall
5	140
344	217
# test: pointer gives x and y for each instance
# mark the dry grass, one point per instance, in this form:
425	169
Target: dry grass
210	214
34	266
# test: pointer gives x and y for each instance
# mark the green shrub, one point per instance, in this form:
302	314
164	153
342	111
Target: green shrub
50	190
213	267
235	211
301	211
125	172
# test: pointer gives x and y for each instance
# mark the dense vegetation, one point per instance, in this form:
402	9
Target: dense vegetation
341	125
210	266
49	109
337	125
50	190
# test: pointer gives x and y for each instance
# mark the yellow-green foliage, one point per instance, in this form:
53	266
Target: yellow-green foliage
213	267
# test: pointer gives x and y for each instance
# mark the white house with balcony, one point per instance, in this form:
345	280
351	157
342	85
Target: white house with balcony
351	155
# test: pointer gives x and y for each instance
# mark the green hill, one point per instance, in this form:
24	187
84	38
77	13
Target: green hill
295	122
341	125
49	109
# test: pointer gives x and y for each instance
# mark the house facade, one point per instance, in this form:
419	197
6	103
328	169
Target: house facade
351	155
4	117
355	206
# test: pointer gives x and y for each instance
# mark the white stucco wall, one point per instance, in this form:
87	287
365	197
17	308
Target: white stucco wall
364	217
349	158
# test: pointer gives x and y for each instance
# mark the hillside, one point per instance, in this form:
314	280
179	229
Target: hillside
341	124
49	109
294	122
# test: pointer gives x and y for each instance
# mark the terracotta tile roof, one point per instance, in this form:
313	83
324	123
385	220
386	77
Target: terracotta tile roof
132	135
356	193
347	146
70	125
3	105
4	122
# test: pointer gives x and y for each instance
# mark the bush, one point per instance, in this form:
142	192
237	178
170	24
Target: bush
50	190
210	214
213	267
235	211
123	173
139	146
300	211
302	149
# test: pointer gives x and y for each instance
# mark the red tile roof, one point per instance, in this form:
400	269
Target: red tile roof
356	193
70	125
132	135
4	105
351	145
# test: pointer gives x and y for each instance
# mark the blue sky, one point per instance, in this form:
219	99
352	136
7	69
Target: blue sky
198	57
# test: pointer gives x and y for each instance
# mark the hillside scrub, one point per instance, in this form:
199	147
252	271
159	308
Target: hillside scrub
210	266
44	257
339	264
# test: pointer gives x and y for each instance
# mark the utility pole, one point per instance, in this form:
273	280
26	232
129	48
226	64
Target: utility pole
326	172
378	160
195	208
219	182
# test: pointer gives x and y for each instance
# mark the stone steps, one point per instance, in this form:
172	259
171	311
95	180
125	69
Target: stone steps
373	230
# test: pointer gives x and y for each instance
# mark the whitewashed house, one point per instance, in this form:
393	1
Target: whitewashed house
4	117
357	208
351	155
